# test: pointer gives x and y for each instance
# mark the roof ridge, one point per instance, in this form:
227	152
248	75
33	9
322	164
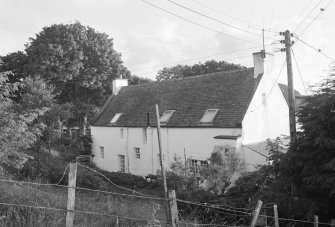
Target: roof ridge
192	77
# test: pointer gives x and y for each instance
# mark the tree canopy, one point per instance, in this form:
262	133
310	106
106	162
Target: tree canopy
20	125
13	64
181	71
80	62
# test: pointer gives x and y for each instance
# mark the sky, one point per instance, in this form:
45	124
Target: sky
149	37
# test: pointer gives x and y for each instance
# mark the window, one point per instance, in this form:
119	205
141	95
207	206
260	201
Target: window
122	164
166	116
196	163
203	163
115	118
209	116
102	152
137	153
144	135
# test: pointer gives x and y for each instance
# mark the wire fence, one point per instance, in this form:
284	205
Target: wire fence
24	203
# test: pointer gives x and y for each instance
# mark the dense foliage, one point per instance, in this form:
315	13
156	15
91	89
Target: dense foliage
20	125
181	71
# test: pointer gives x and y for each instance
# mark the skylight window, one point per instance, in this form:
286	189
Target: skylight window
115	118
209	116
166	116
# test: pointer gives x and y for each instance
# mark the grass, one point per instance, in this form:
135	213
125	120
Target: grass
56	197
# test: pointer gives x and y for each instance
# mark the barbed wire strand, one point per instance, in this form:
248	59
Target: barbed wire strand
81	188
131	190
213	206
125	217
77	211
296	220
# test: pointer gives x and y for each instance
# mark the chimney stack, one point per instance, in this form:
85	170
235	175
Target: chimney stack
118	83
263	63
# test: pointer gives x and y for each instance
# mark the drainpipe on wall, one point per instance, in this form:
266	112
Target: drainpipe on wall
128	163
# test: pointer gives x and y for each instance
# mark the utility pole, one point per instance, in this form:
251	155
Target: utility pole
167	207
291	96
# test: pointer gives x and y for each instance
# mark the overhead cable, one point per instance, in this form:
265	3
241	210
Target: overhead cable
296	63
310	12
316	17
214	19
195	23
314	48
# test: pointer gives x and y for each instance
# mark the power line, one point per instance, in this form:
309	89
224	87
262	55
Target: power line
312	47
316	17
214	19
307	16
306	7
276	82
235	18
200	57
254	150
193	22
212	48
303	83
245	56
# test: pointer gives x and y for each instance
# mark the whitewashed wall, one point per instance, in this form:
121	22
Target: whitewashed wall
196	143
267	119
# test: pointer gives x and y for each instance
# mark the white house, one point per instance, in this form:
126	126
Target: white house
236	109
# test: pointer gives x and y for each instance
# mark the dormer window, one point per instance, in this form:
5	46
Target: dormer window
115	118
166	116
209	116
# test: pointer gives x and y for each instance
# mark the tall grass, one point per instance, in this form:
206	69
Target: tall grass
56	197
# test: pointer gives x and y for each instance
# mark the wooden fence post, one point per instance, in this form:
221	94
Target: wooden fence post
256	213
71	194
173	208
275	212
316	221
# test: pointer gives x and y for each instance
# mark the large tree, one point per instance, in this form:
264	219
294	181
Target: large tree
79	61
20	121
13	64
181	71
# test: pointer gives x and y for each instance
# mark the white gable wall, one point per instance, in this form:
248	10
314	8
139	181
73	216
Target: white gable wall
197	143
264	120
269	119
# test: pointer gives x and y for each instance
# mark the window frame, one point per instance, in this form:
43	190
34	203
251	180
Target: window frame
102	151
122	163
202	120
137	152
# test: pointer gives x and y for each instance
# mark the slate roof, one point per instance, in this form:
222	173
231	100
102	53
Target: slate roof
298	96
230	92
